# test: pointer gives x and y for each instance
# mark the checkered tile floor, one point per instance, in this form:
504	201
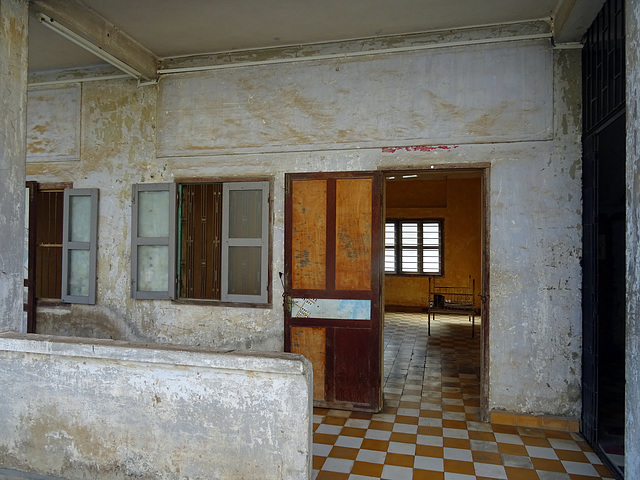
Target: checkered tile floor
429	429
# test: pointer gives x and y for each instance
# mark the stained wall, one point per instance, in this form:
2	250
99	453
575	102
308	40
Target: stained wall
117	410
535	241
512	105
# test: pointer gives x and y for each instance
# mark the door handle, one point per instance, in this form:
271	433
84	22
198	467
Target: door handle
288	301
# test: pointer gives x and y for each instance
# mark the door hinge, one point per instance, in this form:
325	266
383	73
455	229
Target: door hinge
288	301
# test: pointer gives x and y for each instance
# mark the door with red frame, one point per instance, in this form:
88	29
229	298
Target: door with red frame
333	284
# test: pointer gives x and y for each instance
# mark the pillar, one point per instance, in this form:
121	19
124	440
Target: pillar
13	106
632	394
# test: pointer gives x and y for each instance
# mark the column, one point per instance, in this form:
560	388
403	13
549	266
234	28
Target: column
13	106
632	394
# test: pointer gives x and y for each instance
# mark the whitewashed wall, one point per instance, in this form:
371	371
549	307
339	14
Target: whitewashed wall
491	104
53	124
107	410
536	247
443	96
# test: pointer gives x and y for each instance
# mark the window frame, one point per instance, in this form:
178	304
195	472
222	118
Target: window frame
169	241
398	246
69	245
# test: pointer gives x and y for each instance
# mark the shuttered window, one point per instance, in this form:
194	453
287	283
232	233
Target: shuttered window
62	253
245	241
222	243
413	247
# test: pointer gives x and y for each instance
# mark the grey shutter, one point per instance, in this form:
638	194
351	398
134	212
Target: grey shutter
79	245
153	241
245	242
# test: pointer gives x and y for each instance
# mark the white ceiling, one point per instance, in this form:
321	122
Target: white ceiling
171	28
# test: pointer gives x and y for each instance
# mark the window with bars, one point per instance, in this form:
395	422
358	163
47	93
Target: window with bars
220	235
199	245
413	247
48	245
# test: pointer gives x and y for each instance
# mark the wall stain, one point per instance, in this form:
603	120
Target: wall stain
419	148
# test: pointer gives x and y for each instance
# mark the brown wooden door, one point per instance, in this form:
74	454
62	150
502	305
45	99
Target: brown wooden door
333	288
29	307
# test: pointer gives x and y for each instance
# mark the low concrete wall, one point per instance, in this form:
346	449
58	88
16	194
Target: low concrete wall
96	409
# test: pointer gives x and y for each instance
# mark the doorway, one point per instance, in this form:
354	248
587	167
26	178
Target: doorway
334	249
604	289
43	248
604	256
450	202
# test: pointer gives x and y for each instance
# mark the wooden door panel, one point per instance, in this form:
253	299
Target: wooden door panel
311	342
351	364
31	233
333	282
353	233
309	215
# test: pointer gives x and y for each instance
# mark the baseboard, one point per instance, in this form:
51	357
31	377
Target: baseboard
404	309
543	422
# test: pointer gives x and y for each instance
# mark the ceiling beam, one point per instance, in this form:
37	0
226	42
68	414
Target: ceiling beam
573	18
96	30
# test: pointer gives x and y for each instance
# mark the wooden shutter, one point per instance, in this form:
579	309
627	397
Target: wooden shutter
200	240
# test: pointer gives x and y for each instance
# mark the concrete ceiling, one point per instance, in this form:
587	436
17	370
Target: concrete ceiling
169	28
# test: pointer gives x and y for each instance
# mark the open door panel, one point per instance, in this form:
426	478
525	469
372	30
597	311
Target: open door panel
333	284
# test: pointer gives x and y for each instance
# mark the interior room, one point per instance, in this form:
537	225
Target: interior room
453	198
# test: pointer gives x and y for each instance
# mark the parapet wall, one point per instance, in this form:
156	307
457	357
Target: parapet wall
96	409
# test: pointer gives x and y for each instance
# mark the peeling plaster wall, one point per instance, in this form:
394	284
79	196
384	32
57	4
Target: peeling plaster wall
632	395
113	410
13	102
535	236
53	123
476	93
491	104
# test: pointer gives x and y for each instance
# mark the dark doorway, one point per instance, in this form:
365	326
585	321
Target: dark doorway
43	247
610	159
604	256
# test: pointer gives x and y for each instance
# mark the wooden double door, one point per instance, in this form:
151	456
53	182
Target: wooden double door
333	284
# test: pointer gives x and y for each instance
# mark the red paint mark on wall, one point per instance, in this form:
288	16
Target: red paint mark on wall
419	148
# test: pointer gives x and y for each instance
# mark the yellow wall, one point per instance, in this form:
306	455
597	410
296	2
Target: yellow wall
458	202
